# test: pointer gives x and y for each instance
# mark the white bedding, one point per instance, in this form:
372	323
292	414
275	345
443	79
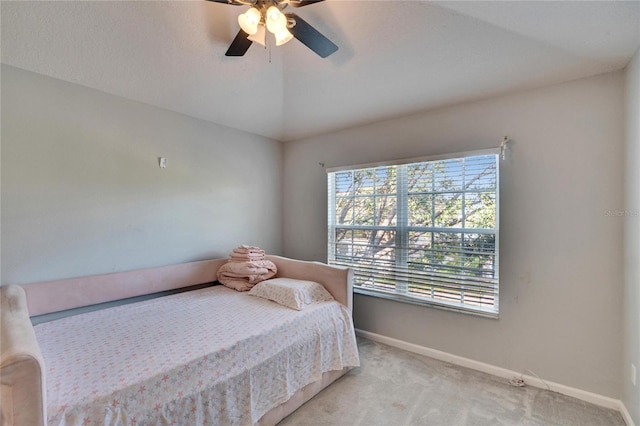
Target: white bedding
211	356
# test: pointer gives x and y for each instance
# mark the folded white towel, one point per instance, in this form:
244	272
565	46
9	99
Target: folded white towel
253	250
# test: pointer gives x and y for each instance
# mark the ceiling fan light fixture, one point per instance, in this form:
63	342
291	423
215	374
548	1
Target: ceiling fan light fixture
249	21
276	21
260	36
263	15
283	37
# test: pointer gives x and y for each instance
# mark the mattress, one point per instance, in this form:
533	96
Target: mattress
210	356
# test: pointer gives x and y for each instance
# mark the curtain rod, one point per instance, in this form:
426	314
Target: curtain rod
501	150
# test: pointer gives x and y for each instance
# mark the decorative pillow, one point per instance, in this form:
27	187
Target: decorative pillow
294	294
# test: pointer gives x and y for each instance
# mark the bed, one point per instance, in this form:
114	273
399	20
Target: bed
207	356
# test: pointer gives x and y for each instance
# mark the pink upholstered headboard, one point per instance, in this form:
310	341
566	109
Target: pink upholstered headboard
60	295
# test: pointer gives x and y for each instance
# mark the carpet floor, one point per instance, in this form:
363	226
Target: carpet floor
395	387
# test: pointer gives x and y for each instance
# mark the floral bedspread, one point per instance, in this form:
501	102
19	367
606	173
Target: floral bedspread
207	357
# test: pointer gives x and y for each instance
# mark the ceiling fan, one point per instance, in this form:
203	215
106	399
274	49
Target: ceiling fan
267	14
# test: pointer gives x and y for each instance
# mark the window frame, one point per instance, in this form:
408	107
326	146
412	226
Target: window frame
402	196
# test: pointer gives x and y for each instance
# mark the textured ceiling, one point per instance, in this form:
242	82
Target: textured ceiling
395	57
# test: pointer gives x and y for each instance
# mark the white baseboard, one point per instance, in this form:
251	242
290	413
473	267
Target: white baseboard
626	415
593	398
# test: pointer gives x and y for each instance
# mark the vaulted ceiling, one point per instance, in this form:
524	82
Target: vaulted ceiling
394	57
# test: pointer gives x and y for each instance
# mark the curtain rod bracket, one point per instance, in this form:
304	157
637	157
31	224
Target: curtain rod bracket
503	147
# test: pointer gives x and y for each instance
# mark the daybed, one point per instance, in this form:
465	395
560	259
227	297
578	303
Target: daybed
207	356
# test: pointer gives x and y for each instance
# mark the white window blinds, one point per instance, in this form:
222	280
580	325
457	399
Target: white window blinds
422	232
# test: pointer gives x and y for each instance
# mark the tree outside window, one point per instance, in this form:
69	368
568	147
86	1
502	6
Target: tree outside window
424	231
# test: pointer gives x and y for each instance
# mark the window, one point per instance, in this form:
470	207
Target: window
423	232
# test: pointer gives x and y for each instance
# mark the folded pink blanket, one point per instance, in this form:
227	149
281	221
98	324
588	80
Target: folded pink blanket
242	276
245	257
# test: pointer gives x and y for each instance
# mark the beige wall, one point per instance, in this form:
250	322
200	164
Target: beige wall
631	354
561	254
82	192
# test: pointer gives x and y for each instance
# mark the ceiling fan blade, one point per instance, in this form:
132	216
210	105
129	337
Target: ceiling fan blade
231	2
311	37
239	45
300	3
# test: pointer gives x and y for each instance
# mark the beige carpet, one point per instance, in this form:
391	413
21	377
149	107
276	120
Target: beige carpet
395	387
